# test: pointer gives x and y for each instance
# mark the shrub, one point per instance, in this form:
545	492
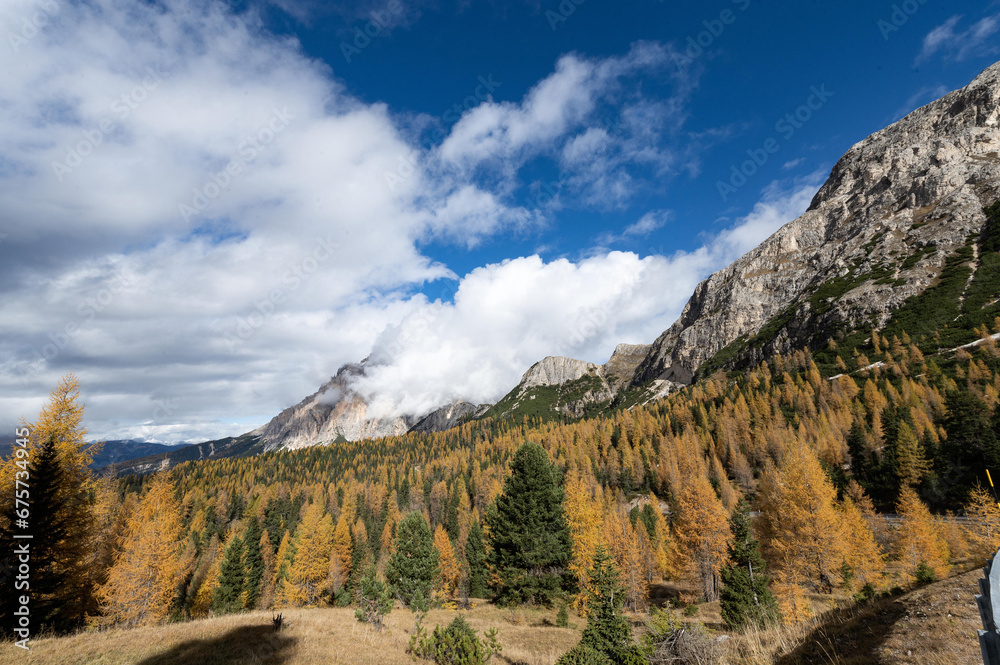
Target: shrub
866	594
374	598
582	654
457	644
925	574
562	616
690	610
668	640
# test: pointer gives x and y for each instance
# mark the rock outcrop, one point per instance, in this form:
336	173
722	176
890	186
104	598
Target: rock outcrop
920	183
333	412
449	416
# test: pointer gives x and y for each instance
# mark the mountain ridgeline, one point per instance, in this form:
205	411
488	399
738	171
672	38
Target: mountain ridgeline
903	238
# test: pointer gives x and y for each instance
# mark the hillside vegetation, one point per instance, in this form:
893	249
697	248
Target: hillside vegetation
934	625
817	444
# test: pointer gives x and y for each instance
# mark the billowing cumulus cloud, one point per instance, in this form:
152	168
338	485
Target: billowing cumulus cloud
203	224
509	315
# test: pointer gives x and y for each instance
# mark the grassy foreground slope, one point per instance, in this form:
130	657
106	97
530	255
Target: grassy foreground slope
932	625
328	636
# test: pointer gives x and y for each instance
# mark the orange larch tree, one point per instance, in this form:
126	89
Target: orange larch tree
142	582
919	538
701	534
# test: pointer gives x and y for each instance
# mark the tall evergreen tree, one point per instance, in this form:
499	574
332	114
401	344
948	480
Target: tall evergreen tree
608	632
253	564
228	596
53	562
746	595
413	568
529	536
68	529
475	555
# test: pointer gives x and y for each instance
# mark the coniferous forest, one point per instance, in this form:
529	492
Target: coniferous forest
770	484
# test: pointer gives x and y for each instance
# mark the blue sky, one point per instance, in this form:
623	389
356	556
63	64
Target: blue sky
206	207
760	66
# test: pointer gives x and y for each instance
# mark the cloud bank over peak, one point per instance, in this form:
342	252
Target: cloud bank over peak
507	316
202	223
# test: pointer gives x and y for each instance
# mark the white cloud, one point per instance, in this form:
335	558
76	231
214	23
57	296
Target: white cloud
956	44
649	223
184	326
292	262
563	118
509	315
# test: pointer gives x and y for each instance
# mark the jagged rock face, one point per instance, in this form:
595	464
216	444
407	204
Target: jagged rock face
923	180
579	384
449	416
331	412
623	363
555	371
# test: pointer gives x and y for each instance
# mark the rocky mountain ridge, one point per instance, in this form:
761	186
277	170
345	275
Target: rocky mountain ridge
900	215
921	183
900	210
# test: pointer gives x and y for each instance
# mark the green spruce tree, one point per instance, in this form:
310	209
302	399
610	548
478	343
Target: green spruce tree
529	535
608	635
746	596
253	565
374	598
413	567
228	596
475	555
55	562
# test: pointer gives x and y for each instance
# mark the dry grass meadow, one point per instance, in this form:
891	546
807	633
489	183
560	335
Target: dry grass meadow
933	625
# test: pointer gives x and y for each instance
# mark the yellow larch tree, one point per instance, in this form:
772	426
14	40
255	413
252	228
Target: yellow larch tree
919	538
266	598
283	564
983	528
449	574
143	579
861	552
583	514
206	579
630	556
343	546
306	583
802	532
701	534
661	536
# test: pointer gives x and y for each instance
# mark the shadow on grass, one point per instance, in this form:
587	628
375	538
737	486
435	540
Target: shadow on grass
850	635
244	645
